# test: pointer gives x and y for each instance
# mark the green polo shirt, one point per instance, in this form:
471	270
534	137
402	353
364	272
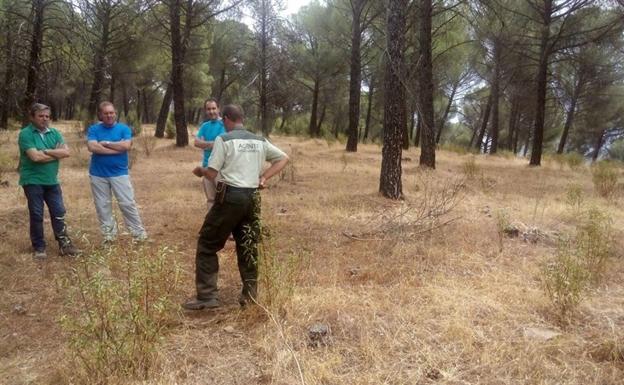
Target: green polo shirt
35	172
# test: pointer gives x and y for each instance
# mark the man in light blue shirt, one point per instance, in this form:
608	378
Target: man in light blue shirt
208	132
109	143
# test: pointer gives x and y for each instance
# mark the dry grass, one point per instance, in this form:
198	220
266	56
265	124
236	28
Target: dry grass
448	306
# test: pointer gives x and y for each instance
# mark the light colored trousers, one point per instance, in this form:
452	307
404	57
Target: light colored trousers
210	188
103	190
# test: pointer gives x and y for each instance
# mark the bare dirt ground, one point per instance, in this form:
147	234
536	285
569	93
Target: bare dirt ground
442	304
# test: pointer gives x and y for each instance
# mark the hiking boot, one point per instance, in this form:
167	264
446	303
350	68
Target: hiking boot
40	255
69	250
198	304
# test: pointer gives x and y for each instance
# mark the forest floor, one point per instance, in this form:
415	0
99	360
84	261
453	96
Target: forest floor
427	290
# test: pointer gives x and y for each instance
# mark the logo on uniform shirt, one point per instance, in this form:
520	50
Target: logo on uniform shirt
248	147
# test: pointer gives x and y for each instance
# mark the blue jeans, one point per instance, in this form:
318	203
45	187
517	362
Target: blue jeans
53	198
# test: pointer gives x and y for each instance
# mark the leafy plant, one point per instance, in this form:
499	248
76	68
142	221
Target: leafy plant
277	274
470	168
170	128
574	160
502	224
6	164
120	301
565	279
604	176
579	261
594	242
133	121
575	197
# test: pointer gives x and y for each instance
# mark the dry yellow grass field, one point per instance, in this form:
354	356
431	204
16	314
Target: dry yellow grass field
444	306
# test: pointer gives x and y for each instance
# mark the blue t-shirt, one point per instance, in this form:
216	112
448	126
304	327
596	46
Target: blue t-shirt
208	131
105	165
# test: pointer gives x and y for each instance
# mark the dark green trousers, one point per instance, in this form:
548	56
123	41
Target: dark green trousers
238	215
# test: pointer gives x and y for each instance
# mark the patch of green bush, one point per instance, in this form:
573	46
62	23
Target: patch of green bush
120	302
605	178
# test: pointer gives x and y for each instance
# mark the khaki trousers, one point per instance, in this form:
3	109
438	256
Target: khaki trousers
210	189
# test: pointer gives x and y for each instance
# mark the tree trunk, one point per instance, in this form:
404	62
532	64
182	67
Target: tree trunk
221	84
418	130
264	70
163	114
371	89
34	62
99	63
542	84
406	137
513	120
425	86
570	115
313	127
177	74
442	122
146	107
7	97
484	123
320	121
494	127
285	115
355	78
137	107
111	96
126	102
598	146
390	184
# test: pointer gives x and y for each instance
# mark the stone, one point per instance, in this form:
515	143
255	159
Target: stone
318	335
511	231
19	309
542	334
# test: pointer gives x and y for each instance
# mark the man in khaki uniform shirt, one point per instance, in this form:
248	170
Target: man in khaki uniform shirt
238	156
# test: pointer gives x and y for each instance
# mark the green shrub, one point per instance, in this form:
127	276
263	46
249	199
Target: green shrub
452	147
120	301
170	128
579	261
565	280
503	223
289	173
594	242
470	168
133	121
14	125
573	159
147	143
605	177
575	196
7	164
277	274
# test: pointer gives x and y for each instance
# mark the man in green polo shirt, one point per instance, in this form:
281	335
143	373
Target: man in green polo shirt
41	147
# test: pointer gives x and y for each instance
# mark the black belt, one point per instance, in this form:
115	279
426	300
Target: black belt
229	188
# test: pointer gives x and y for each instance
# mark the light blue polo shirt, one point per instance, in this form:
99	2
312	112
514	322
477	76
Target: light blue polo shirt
208	131
109	165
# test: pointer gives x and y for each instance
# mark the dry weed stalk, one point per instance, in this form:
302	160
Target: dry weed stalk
412	219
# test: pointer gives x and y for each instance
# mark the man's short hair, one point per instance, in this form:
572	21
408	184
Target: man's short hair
233	112
214	100
36	107
104	104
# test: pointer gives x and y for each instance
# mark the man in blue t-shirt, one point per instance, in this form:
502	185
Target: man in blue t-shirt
109	143
208	132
